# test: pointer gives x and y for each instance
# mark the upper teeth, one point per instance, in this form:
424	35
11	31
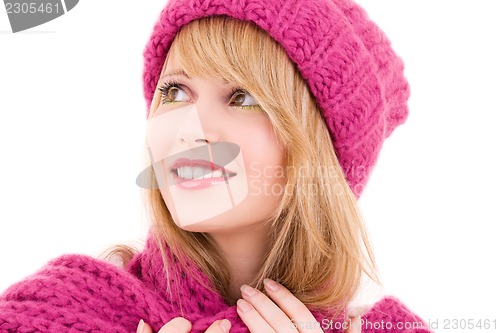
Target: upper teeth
188	172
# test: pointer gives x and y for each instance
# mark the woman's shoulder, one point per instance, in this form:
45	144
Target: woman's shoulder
70	269
382	312
70	289
392	315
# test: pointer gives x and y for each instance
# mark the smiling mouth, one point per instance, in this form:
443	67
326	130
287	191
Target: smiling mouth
190	167
196	174
190	173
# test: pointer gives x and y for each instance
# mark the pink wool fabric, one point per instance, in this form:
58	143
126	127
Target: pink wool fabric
347	61
76	293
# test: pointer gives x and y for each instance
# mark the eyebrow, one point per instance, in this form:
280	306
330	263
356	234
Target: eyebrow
178	72
181	72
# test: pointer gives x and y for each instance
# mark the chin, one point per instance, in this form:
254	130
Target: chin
218	223
224	223
243	217
204	226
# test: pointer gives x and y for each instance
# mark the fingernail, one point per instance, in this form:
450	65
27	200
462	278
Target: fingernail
140	327
271	285
248	291
225	325
243	306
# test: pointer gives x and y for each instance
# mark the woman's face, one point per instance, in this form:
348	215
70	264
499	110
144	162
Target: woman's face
216	158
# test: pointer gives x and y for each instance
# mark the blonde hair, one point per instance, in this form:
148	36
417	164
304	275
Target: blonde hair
320	248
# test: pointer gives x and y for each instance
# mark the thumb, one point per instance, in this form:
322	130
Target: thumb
176	325
143	327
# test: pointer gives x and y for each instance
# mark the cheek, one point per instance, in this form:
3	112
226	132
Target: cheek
160	134
265	163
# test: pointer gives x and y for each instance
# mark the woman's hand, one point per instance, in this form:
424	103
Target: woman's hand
182	325
289	314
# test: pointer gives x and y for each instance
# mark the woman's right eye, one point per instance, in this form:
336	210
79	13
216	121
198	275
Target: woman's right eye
172	92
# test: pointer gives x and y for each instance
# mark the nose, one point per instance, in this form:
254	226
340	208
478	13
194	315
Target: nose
197	128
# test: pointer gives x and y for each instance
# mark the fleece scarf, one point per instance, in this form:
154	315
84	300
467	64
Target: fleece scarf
77	293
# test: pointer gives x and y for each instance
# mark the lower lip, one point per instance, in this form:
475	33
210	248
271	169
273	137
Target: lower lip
198	184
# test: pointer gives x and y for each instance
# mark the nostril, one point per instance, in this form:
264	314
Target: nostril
201	140
182	140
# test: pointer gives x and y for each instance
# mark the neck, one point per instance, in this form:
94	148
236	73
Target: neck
244	251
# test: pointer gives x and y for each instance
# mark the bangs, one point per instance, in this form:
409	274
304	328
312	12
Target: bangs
224	48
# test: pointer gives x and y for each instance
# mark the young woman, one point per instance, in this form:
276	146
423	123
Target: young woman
264	121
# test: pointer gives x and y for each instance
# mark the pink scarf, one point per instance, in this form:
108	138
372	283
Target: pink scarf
76	293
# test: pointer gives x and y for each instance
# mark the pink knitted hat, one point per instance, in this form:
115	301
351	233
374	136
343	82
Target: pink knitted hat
345	58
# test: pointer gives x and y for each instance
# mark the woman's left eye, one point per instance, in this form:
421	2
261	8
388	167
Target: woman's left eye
243	99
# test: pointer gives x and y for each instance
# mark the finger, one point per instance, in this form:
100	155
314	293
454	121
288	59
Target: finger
268	310
252	318
176	325
354	325
292	307
219	326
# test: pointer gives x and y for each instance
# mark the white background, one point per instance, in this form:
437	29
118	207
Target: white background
72	121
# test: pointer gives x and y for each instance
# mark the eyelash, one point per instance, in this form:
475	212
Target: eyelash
170	84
